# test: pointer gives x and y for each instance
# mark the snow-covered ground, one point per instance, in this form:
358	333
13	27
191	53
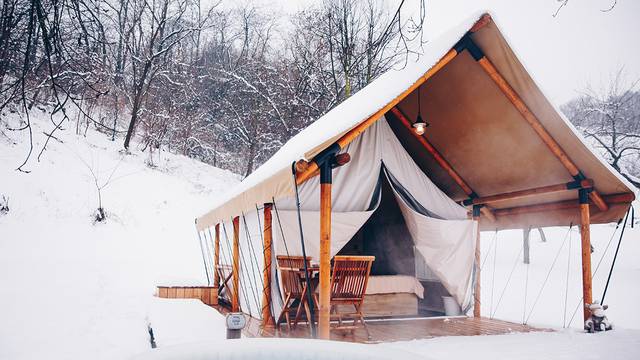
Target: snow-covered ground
72	289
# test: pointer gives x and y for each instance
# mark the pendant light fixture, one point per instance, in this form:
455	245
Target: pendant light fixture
420	125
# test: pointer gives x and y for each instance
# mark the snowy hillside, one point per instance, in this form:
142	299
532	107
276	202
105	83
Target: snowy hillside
75	289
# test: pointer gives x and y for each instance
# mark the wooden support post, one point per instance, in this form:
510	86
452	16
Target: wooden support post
585	236
476	289
444	164
216	258
267	316
235	299
325	251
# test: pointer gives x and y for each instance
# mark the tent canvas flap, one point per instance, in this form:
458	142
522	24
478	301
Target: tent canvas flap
448	247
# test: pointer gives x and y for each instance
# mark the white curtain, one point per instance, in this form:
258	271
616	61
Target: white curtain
448	247
437	224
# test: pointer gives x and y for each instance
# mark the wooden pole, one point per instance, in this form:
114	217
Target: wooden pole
585	236
267	316
622	198
444	164
476	290
537	126
216	258
584	184
325	251
235	299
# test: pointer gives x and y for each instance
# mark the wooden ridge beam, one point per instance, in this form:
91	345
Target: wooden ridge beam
533	121
622	198
444	164
311	168
573	185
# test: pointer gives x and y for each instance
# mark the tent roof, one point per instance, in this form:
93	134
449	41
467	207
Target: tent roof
473	125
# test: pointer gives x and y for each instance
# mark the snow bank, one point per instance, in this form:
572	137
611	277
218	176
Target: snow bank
71	289
74	290
618	344
281	349
544	304
178	321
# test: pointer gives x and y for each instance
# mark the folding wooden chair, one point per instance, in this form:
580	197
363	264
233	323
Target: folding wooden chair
225	272
348	286
291	269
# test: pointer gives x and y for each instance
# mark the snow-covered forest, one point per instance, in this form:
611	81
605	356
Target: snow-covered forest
123	120
227	85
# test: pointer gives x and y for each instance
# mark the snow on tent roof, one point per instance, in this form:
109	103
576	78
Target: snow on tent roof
274	179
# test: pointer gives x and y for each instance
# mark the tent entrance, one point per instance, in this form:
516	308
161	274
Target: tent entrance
402	283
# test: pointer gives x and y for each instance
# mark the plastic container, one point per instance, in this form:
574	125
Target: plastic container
451	307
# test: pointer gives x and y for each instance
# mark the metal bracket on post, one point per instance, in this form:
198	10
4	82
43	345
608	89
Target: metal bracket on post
476	211
583	195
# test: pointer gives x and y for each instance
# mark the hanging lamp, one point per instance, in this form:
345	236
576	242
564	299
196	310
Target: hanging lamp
419	126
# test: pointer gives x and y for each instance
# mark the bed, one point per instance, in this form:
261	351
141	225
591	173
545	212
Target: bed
392	295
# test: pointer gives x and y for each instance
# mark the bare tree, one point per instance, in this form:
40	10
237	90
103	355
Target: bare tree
158	27
610	117
563	3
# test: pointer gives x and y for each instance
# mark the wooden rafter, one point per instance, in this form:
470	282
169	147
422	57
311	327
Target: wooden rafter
444	164
311	168
537	126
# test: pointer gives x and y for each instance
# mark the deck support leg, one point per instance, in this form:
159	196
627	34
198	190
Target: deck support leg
267	316
325	250
585	236
476	290
216	258
235	299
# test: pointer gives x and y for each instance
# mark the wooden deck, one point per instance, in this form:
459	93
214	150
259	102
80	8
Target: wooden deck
389	330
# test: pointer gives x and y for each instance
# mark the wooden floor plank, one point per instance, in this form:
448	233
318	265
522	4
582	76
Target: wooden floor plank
397	330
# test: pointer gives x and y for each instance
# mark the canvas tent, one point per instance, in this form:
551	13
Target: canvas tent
496	149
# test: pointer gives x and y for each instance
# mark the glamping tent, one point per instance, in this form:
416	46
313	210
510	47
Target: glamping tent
496	155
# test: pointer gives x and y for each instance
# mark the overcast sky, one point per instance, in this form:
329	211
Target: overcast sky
581	46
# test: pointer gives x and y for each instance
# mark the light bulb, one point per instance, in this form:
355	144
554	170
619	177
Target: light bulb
419	128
